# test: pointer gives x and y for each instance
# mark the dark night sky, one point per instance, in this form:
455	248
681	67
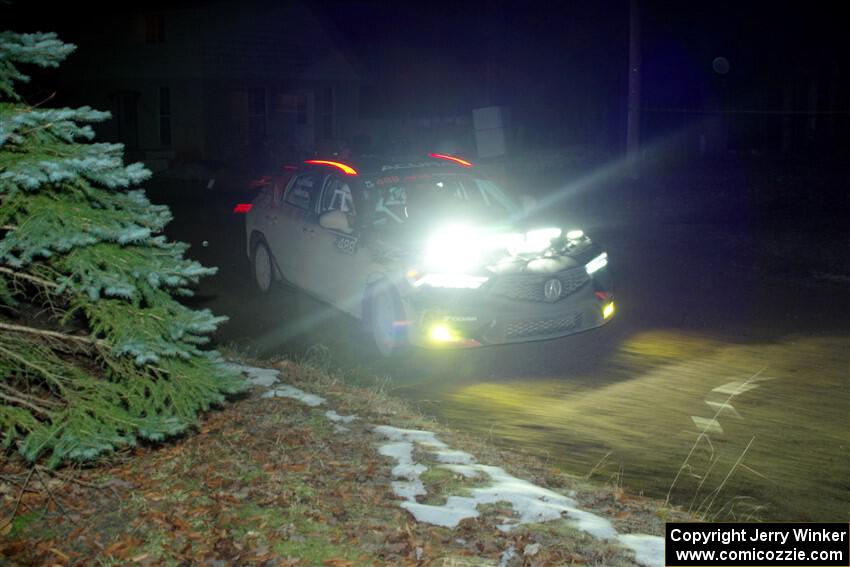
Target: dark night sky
553	41
442	57
765	42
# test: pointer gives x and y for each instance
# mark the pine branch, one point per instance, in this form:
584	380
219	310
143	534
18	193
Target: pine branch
77	244
28	363
19	401
48	99
53	334
35	400
28	277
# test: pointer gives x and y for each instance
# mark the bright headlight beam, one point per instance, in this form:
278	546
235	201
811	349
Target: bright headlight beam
543	235
597	263
441	333
575	234
454	249
535	241
451	280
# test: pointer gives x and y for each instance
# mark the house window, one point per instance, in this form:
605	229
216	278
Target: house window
154	28
295	107
126	105
164	116
256	115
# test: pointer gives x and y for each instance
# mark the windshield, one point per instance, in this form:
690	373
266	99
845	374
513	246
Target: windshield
399	202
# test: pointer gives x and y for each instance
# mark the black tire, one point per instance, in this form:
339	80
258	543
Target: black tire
262	267
385	309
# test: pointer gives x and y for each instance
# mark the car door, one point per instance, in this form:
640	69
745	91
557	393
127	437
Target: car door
294	224
340	266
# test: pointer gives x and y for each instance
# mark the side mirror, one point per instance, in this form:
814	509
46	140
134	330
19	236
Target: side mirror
528	203
335	220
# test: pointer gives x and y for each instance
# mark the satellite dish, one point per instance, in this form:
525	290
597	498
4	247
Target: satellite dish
720	65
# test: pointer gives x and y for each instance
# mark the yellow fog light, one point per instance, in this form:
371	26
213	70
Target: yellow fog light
441	333
608	311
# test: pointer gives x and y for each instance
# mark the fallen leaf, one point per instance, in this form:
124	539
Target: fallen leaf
181	523
60	554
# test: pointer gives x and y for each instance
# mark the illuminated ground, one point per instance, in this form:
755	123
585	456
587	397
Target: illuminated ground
705	300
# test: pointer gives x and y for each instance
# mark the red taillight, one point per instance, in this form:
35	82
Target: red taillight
457	160
347	169
602	295
242	208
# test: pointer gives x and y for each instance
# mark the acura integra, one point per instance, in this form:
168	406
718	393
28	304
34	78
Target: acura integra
425	252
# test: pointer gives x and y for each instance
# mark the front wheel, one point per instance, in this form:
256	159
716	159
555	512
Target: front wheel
262	267
385	314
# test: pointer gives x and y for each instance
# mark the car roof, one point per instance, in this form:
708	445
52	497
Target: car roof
372	165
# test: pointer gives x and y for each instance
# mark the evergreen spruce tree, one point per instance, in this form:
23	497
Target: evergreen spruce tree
95	351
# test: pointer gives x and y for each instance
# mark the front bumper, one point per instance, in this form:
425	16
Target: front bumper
468	318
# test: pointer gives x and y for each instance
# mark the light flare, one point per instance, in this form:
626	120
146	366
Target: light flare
347	169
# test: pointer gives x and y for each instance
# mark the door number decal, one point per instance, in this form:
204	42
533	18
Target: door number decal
346	244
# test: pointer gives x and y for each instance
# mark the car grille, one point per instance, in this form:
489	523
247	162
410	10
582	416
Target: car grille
542	327
529	287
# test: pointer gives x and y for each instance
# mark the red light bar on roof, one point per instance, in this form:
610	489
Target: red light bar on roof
457	160
347	169
242	208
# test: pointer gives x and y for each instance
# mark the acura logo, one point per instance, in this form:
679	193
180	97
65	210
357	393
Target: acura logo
552	290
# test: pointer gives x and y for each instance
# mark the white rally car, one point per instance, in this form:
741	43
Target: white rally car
426	252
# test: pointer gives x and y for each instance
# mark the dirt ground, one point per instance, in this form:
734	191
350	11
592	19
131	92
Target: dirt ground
271	482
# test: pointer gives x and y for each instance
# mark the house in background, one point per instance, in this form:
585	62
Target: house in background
249	86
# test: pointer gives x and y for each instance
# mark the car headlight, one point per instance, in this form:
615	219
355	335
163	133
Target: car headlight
533	241
454	249
541	239
597	263
458	281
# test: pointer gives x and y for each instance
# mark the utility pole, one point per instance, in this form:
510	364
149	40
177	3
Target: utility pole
633	104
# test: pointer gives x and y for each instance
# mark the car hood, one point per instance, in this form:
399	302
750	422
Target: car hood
558	254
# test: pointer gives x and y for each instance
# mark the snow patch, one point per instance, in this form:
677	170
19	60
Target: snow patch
507	555
402	452
454	457
287	391
263	377
426	438
536	504
333	416
449	515
409	489
530	502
